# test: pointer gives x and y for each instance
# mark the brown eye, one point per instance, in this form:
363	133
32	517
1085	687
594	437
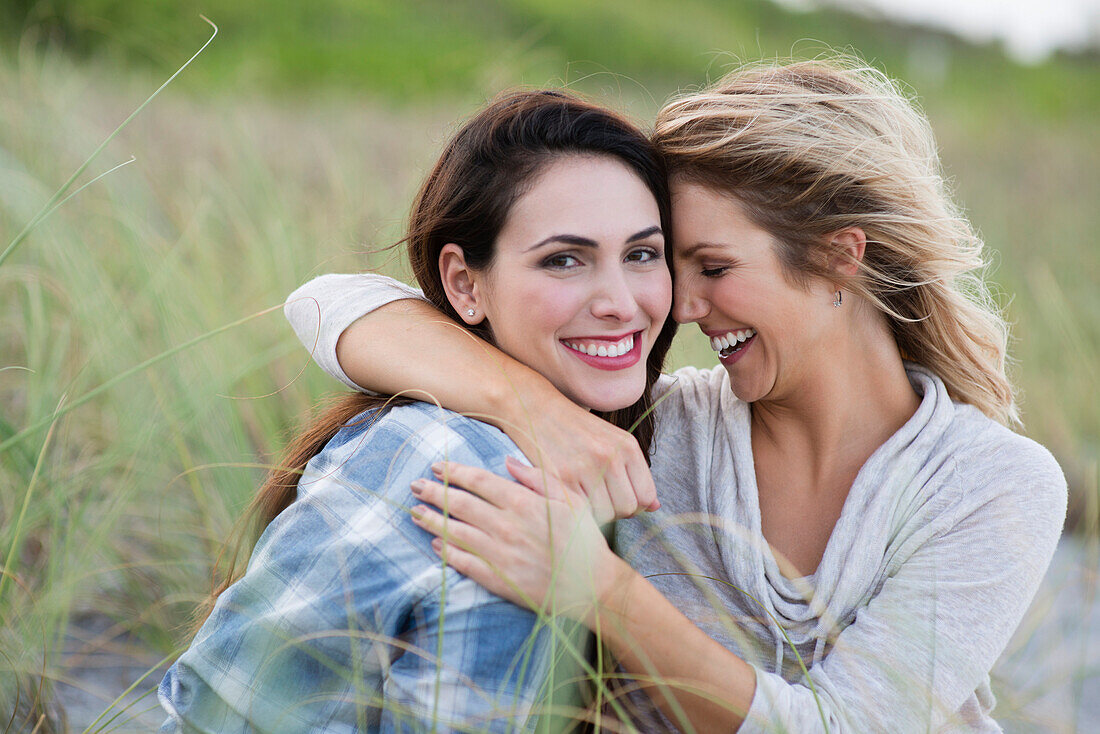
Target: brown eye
643	255
561	261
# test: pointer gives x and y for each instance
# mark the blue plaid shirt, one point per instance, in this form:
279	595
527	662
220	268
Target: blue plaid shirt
346	621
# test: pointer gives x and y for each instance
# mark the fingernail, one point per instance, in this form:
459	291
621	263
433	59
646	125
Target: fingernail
654	505
437	468
418	486
437	545
418	512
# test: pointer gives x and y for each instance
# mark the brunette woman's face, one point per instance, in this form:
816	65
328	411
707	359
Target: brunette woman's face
579	287
768	331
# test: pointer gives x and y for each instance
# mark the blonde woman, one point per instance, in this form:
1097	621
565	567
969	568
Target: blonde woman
850	531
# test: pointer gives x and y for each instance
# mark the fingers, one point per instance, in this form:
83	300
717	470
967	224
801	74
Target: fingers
494	489
473	566
620	484
624	501
619	487
537	479
599	499
451	529
454	502
611	493
641	480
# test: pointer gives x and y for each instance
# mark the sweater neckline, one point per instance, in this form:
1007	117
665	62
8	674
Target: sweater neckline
807	597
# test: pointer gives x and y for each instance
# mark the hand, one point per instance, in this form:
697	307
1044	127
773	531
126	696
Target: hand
585	452
588	455
540	549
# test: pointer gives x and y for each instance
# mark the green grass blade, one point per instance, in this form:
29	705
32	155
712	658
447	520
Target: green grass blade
13	549
56	200
91	394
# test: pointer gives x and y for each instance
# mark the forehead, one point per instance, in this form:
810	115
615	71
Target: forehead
704	215
596	196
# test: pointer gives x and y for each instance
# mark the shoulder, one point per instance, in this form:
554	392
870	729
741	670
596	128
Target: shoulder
975	458
410	438
352	512
1005	481
357	489
991	455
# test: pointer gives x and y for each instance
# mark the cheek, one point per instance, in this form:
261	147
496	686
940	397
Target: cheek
654	295
532	311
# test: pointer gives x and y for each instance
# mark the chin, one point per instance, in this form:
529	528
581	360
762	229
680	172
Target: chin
611	407
605	401
745	391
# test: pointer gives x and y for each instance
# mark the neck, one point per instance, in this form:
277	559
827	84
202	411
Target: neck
844	407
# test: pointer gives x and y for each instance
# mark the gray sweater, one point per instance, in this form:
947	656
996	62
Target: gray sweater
941	544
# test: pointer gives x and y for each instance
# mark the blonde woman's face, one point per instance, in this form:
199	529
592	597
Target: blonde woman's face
579	287
767	331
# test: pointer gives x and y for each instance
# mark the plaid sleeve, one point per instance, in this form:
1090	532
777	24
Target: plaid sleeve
346	621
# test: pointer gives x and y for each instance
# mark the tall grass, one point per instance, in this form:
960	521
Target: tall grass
122	512
119	507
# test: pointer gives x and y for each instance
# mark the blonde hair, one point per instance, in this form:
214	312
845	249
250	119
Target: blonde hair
811	148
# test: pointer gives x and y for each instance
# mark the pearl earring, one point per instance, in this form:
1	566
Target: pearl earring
469	312
838	299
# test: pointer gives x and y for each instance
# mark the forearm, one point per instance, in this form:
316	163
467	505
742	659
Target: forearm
408	347
374	333
685	672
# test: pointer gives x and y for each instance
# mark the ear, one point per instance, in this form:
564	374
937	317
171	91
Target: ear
846	248
461	283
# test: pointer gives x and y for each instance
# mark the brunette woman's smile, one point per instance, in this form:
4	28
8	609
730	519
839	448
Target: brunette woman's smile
607	352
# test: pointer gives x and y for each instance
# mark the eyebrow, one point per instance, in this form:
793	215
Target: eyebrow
692	249
578	241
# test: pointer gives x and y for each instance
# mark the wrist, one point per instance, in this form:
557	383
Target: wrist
617	584
512	397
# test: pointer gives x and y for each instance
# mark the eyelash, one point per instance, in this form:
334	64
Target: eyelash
549	262
651	255
714	272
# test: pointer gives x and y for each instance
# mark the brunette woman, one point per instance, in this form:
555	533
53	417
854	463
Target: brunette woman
541	224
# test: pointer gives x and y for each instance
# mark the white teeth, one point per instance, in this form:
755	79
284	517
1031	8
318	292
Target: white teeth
731	339
603	349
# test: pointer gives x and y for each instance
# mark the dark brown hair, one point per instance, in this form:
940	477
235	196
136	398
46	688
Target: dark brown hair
465	199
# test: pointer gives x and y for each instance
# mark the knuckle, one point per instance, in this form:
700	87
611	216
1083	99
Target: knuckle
515	502
457	560
455	502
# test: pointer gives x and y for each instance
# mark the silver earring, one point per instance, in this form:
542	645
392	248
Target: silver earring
469	312
838	299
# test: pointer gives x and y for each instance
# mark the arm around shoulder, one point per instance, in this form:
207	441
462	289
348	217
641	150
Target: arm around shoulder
321	310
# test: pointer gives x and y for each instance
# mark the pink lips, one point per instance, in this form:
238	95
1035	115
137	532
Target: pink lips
620	362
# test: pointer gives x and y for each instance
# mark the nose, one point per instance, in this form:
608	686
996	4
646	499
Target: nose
615	299
688	304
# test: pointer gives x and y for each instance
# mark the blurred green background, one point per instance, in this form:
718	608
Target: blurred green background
292	147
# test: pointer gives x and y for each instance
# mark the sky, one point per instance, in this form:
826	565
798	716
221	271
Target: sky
1029	29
